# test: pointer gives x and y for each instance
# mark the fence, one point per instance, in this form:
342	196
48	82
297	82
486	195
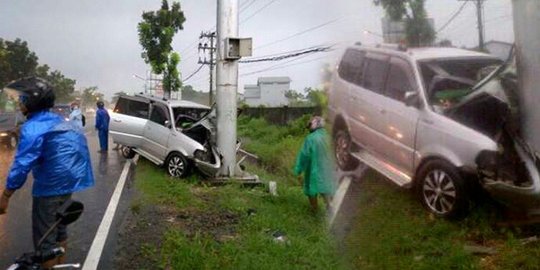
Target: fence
280	115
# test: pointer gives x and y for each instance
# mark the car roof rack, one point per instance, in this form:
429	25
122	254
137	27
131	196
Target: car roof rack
398	47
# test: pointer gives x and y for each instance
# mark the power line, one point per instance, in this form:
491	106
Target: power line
193	74
453	16
247	6
282	66
257	12
279	58
299	33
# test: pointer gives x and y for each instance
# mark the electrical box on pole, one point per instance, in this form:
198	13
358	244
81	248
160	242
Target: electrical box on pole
236	48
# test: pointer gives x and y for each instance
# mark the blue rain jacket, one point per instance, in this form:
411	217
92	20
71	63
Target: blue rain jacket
102	119
57	153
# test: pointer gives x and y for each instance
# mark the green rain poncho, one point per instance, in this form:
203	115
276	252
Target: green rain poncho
315	161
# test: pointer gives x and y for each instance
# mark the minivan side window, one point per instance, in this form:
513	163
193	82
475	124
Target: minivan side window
399	79
351	66
159	115
132	108
375	74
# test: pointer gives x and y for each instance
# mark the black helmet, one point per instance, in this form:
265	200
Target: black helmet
34	93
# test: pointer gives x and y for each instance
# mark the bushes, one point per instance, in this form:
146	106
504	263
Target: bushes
277	146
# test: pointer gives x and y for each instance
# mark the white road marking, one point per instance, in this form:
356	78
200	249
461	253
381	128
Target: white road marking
94	255
338	198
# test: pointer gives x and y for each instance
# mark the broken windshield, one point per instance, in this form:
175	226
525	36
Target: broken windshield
449	80
185	117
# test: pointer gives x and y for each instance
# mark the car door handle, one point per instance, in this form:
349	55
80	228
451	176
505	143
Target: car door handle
117	120
382	111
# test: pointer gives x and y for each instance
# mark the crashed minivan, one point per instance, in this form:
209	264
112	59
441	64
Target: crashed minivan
440	120
176	134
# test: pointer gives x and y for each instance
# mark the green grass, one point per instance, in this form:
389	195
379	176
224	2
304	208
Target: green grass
205	241
393	231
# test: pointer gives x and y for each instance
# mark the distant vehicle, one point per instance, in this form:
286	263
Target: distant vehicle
175	133
63	110
9	128
436	119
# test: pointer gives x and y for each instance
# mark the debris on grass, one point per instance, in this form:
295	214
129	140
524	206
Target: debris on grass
479	250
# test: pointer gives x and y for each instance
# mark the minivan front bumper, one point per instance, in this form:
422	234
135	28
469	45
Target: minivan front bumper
524	196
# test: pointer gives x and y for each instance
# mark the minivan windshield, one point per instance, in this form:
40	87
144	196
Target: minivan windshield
185	117
447	81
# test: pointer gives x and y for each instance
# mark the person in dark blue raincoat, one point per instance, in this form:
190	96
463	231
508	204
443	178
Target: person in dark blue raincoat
56	152
102	126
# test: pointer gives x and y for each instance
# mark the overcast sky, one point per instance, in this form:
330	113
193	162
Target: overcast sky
96	41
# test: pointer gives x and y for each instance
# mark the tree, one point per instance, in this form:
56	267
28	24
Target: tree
90	96
16	60
294	96
156	32
63	86
116	95
317	97
418	31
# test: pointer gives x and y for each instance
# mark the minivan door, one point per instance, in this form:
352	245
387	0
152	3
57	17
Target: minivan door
400	120
157	131
128	121
366	105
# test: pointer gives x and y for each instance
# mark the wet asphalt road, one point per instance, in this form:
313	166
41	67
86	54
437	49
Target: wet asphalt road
15	226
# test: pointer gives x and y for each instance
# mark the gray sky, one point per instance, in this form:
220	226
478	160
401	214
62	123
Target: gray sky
96	41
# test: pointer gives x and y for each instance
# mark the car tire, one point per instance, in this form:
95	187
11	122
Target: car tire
127	152
177	165
13	141
342	151
442	190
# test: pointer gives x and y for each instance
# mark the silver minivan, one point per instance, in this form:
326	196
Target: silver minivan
436	119
177	134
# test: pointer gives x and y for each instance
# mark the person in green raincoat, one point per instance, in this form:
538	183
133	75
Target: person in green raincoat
315	162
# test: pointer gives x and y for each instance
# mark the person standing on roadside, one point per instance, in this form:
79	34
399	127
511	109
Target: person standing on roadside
56	152
76	115
314	161
102	126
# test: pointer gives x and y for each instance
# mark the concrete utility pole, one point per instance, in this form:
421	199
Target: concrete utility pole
526	18
211	36
227	84
480	17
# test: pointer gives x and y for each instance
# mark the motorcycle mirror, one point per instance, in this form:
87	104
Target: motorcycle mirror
69	212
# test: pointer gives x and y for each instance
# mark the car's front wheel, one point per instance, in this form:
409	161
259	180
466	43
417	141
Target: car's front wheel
13	142
442	189
127	152
177	165
342	150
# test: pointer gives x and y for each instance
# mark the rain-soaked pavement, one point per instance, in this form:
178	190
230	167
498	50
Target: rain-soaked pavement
15	226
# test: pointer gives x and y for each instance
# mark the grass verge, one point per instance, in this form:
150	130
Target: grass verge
231	227
393	231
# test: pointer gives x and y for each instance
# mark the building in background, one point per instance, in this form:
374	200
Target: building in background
268	92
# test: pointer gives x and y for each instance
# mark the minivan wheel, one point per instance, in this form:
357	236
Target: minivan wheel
342	150
13	141
177	165
127	152
442	190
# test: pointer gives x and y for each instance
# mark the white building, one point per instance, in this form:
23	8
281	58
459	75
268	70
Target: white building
269	92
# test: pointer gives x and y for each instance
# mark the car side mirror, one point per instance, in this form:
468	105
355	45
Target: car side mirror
411	99
167	124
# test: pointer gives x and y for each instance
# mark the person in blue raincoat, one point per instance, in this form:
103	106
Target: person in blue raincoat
315	162
102	126
56	152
